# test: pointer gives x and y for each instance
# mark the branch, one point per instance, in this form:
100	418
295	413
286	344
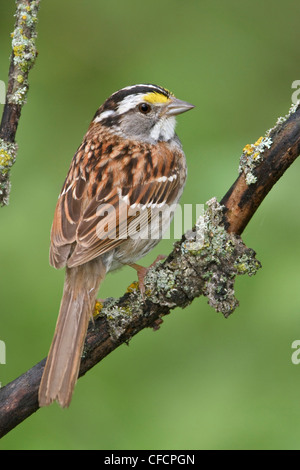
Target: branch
205	262
22	60
261	166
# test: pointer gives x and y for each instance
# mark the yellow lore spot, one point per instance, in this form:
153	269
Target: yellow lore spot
154	97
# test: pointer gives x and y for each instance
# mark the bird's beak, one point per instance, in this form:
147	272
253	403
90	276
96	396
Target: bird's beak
176	106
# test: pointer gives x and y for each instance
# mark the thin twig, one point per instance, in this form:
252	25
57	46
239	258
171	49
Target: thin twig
195	267
22	60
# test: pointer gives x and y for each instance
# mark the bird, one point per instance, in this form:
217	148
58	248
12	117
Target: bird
113	208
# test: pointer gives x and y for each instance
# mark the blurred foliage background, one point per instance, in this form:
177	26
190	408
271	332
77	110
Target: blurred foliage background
200	382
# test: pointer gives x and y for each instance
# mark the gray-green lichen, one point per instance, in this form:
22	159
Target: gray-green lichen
207	262
8	152
282	119
117	317
253	153
24	49
161	285
23	57
221	257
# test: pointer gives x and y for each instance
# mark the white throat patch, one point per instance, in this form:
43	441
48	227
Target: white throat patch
164	129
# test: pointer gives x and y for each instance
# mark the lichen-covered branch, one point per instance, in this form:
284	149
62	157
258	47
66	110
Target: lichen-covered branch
22	59
261	166
205	262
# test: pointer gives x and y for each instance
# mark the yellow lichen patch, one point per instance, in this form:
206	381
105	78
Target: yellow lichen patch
154	97
5	158
259	141
18	50
248	149
97	309
133	286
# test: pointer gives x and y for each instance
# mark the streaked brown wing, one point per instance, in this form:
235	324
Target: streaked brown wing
94	209
67	215
104	226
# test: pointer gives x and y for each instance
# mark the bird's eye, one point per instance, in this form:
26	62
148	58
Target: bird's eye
144	108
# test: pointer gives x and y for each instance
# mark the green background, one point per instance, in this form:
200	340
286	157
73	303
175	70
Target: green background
200	382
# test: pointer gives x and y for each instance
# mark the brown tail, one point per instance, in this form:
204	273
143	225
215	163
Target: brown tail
62	366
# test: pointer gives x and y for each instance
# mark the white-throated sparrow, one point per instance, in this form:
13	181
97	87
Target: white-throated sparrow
113	209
